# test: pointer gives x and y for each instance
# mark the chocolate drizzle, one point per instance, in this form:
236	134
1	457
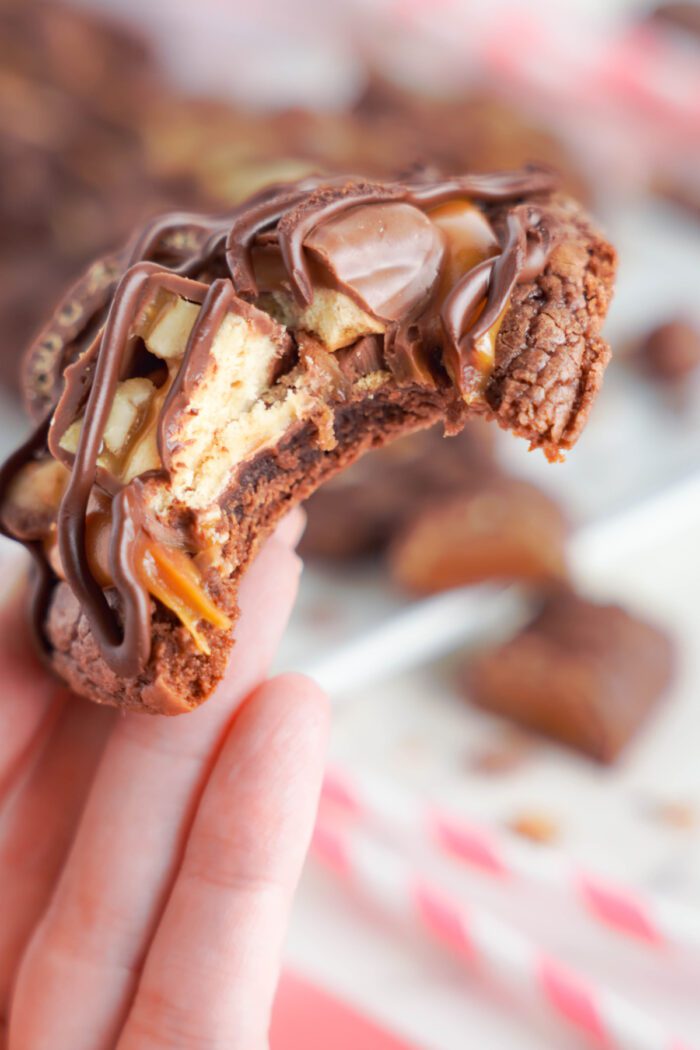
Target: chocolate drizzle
261	212
126	647
488	286
504	185
316	210
219	297
185	254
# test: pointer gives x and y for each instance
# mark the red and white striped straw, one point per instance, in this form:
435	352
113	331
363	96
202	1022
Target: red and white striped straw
482	940
646	918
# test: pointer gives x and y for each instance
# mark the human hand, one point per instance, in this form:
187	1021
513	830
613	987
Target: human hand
147	864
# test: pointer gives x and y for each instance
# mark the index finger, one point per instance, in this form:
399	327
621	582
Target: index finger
211	973
30	696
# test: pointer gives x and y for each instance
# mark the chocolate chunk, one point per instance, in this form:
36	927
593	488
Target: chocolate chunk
362	358
502	529
409	351
386	256
584	674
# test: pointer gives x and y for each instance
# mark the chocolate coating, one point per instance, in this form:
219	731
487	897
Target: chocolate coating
387	257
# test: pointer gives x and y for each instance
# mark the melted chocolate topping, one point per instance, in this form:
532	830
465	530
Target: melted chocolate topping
126	647
412	255
334	220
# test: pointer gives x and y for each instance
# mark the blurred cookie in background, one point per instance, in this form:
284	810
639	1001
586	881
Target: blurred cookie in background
73	171
676	168
228	153
475	131
358	513
390	130
584	674
501	529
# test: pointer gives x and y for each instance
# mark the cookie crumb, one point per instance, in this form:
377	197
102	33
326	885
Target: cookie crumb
502	755
537	827
675	813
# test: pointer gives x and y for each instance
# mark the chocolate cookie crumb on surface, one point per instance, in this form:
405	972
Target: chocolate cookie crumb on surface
584	674
538	828
196	385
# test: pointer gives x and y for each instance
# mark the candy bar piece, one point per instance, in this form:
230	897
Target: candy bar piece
358	512
584	674
503	529
194	387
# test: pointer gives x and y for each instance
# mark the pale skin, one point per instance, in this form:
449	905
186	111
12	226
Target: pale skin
148	864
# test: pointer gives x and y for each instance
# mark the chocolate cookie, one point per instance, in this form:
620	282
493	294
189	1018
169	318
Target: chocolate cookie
73	167
195	386
586	675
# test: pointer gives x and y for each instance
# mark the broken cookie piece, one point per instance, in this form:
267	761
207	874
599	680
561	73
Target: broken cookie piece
584	674
197	385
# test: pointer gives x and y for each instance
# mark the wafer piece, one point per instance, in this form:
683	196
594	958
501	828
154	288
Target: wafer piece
197	385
